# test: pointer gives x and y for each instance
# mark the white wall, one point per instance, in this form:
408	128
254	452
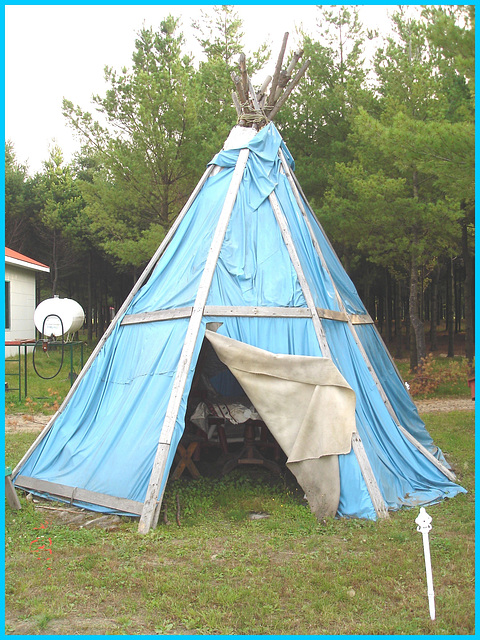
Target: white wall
22	305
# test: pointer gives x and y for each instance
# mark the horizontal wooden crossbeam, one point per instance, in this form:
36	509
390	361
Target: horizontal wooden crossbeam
245	312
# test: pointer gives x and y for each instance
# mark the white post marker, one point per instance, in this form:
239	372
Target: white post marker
423	522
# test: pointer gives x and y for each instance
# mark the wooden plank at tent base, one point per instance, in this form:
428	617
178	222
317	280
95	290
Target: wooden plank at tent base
83	495
367	473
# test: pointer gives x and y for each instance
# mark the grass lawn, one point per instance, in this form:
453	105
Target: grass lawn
220	572
49	377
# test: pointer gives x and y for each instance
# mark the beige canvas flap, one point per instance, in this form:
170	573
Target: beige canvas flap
304	400
307	405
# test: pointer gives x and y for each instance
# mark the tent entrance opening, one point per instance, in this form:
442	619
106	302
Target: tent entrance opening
221	417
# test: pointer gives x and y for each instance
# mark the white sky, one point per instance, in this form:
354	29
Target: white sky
58	51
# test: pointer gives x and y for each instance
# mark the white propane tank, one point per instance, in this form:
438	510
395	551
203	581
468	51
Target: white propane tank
49	312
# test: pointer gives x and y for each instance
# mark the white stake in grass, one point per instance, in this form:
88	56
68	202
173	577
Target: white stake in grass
423	521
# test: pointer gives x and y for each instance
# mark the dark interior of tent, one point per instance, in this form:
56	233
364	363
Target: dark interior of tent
223	430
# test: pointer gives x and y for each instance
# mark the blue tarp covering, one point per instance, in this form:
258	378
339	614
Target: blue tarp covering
106	438
371	341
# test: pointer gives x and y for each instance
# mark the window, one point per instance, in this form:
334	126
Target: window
7	305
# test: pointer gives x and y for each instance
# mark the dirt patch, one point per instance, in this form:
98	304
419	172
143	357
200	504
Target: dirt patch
445	404
91	625
25	423
87	626
76	518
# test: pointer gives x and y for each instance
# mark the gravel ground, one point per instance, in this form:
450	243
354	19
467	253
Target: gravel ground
445	404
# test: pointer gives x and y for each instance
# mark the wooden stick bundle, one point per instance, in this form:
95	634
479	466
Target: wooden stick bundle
257	109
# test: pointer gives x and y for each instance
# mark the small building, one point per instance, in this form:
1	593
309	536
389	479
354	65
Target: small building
20	297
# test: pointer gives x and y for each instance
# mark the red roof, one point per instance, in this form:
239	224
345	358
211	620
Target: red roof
10	253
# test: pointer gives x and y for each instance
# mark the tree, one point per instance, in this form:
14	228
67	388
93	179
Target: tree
398	150
144	138
17	195
452	30
318	117
61	224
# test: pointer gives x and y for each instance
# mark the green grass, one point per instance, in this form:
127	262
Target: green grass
43	395
220	572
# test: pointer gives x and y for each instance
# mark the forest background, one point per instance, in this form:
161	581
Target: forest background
384	153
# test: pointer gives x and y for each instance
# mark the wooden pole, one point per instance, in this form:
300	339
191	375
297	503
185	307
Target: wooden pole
252	93
370	481
282	83
292	252
151	508
236	103
289	89
293	62
357	444
240	90
263	88
276	74
242	63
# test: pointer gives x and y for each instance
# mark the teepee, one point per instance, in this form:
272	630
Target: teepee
247	269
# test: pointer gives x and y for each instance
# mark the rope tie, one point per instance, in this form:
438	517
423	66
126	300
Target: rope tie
251	116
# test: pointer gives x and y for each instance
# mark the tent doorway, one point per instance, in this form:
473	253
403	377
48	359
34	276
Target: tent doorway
223	418
304	402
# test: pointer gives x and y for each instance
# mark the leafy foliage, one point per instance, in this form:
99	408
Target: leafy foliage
400	200
142	140
317	118
431	374
18	204
61	221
